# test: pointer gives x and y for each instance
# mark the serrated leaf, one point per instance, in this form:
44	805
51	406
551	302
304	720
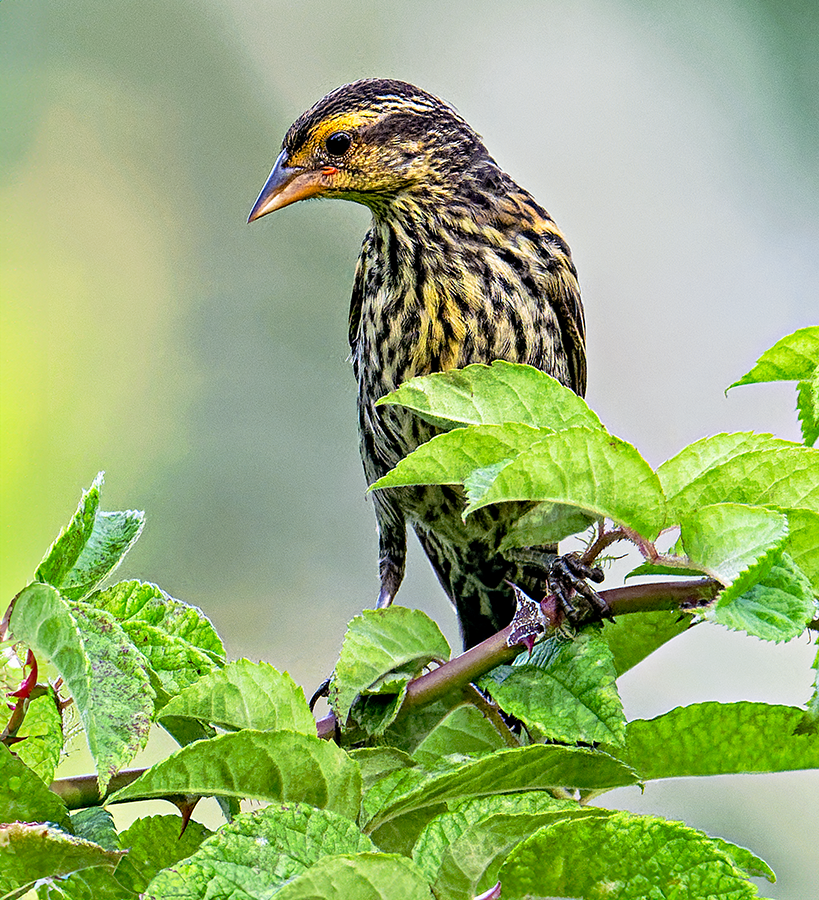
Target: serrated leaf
776	608
277	766
733	543
376	762
537	767
42	730
810	720
465	731
546	523
709	453
466	454
245	695
399	835
632	638
720	739
154	843
649	568
461	851
803	542
493	395
177	639
635	856
93	883
32	852
378	642
96	824
565	692
807	406
792	358
591	470
364	876
374	713
446	828
90	547
748	862
102	670
259	852
776	476
24	797
407	732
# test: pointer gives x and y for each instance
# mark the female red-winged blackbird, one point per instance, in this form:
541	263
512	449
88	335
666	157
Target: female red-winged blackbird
460	266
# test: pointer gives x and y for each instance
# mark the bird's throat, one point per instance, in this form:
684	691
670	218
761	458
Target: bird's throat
420	314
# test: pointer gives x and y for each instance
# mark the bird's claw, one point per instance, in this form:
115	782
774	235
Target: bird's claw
323	690
568	578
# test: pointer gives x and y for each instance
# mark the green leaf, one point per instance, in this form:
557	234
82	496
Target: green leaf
94	883
461	851
363	876
708	453
378	643
537	767
792	358
630	857
807	405
24	797
493	395
632	638
259	852
591	470
374	713
177	639
90	547
376	762
803	542
96	824
465	731
42	729
720	739
277	766
810	720
566	691
245	695
32	852
776	608
102	670
748	862
407	732
546	523
458	456
649	568
733	543
784	476
154	843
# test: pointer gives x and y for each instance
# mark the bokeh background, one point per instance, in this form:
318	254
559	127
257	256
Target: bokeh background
147	331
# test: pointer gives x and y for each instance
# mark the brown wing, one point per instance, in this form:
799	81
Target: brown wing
569	311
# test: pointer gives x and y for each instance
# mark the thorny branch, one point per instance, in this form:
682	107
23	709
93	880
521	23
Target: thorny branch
687	596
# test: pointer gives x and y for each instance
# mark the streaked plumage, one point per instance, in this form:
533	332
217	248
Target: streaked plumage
461	265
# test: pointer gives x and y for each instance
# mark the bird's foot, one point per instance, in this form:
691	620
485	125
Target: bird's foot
568	578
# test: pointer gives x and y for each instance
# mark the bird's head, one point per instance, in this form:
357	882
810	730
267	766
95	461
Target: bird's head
371	141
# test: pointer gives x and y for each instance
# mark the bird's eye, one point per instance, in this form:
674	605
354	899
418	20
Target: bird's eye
338	143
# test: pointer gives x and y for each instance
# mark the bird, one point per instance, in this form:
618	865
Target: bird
461	265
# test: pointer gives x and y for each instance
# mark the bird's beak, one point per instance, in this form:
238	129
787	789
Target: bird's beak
285	185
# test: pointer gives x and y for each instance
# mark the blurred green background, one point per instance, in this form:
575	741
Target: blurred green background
147	331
